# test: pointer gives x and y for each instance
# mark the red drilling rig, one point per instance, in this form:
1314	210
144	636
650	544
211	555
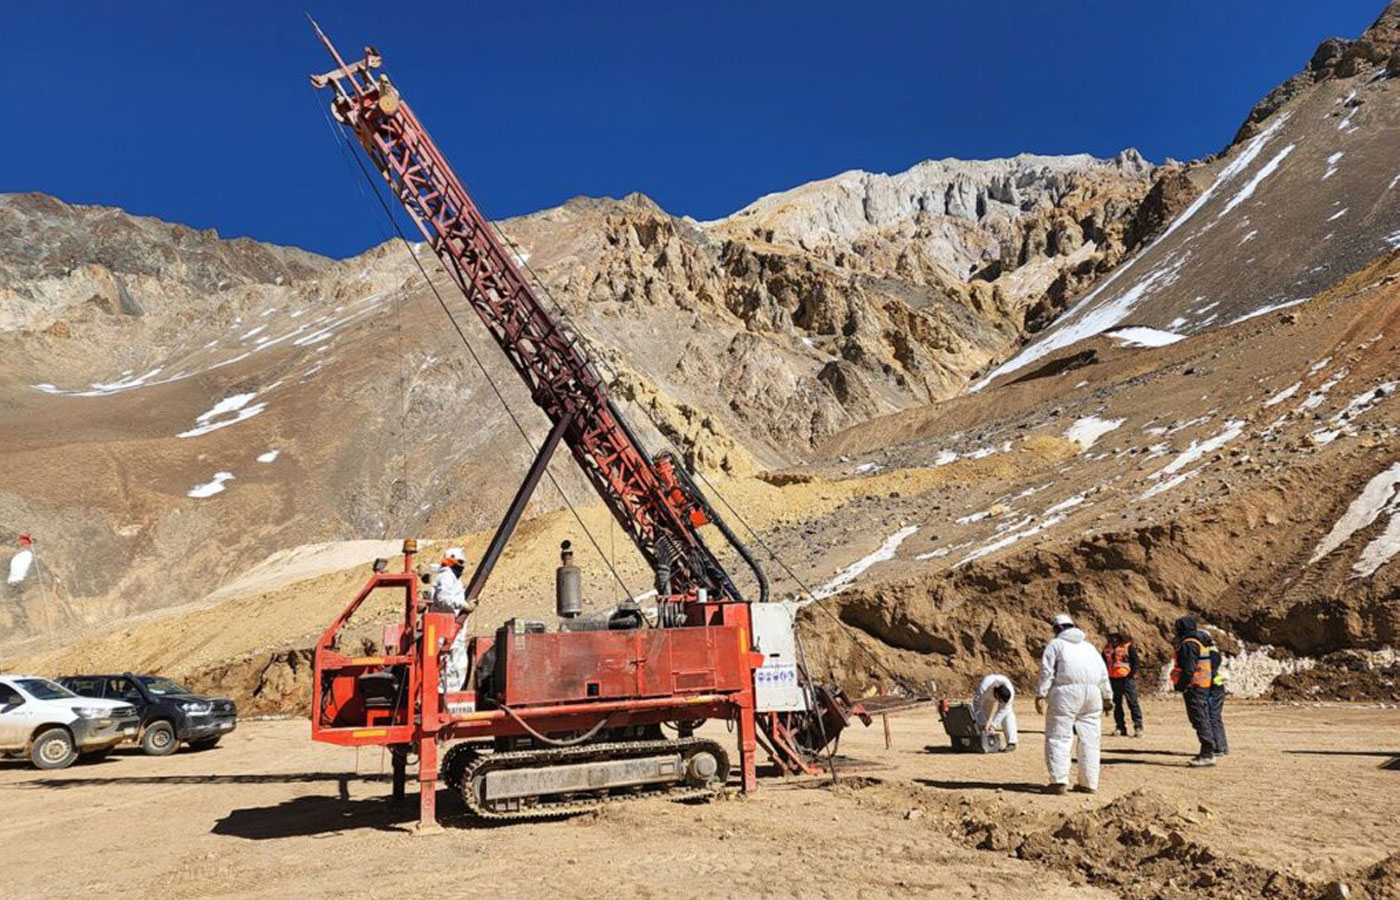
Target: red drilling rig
603	707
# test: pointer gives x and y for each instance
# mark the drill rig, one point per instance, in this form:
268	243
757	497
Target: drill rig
602	707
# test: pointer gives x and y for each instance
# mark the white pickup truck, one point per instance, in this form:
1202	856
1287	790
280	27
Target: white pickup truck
54	726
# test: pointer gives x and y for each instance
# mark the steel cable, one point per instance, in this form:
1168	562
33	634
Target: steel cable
461	334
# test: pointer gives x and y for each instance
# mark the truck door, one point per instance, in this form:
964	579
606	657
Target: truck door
14	718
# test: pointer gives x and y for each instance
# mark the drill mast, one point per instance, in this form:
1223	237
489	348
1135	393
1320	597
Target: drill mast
652	498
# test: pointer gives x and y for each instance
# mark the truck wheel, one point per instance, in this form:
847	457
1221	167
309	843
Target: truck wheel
159	739
53	749
205	744
95	755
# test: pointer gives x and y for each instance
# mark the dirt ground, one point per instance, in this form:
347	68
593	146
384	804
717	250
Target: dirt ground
1309	795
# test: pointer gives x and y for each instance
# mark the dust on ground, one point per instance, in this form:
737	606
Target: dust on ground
1308	797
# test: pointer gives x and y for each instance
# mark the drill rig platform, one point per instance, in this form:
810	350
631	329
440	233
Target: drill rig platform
604	707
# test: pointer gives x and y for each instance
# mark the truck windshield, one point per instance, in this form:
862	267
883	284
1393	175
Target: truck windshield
43	689
161	686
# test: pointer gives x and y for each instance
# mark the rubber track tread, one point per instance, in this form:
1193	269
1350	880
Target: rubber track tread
545	808
455	761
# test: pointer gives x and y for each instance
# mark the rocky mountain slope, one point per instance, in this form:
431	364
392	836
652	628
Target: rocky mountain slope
1230	394
1305	196
1208	426
182	406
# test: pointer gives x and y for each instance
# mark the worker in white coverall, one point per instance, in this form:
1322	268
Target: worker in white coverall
992	706
1073	685
449	595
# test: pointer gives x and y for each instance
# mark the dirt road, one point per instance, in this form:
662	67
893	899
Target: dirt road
1307	792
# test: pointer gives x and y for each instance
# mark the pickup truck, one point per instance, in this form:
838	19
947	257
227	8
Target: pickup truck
170	715
54	726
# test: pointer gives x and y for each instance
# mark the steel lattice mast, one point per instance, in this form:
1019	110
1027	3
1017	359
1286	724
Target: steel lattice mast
652	499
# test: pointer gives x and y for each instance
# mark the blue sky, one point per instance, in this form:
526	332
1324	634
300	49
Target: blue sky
201	112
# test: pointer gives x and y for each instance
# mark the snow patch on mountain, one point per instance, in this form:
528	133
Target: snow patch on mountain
1145	337
210	488
1089	316
1265	310
847	576
1284	394
1380	495
209	420
1252	185
1086	431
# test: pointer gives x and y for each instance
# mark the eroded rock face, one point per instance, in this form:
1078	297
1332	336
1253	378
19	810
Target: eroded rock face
987	235
814	309
1377	47
61	257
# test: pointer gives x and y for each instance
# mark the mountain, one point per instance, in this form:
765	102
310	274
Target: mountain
953	400
181	406
1305	195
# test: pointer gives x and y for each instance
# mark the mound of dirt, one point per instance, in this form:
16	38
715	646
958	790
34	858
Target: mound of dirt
1348	675
1140	845
265	684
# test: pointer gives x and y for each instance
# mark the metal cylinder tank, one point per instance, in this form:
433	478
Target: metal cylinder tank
568	584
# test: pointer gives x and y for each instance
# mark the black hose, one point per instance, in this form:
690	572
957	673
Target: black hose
744	554
556	742
723	527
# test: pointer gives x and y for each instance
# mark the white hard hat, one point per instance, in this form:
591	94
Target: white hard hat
453	556
1061	620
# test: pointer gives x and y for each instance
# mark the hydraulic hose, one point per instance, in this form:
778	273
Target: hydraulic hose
742	549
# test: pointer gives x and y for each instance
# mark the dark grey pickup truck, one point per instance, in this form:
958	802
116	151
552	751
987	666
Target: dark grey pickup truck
170	715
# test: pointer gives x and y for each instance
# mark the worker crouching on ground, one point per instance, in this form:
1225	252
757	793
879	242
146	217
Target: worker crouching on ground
992	704
1074	686
1120	655
1195	675
449	595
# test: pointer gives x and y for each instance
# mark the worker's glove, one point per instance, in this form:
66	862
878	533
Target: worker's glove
1040	705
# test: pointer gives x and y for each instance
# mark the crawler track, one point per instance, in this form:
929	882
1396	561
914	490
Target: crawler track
547	807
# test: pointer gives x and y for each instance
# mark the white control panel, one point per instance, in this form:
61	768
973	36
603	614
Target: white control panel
777	687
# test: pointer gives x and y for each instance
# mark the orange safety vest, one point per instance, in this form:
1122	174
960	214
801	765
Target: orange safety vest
1203	676
1115	656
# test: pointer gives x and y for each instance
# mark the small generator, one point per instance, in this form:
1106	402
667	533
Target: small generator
961	725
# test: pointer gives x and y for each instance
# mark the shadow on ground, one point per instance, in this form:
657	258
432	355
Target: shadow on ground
343	778
1391	764
1020	787
1140	762
316	815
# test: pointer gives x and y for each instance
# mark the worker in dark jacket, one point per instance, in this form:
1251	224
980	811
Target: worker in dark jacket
1121	657
1192	676
1215	697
